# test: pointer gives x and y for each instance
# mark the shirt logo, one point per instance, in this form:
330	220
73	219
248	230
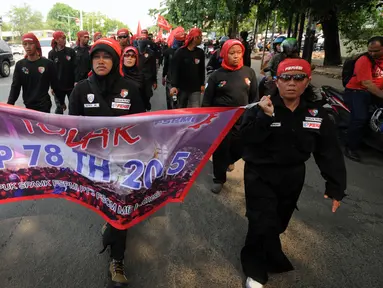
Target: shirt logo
25	70
119	100
314	119
221	84
56	60
247	81
124	93
90	98
312	125
41	69
68	58
121	106
313	112
196	61
276	124
146	55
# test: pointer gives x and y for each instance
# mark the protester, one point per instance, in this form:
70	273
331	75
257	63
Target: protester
365	87
247	55
123	37
104	94
188	71
176	40
96	36
233	85
35	74
147	65
215	60
129	63
82	56
64	59
279	136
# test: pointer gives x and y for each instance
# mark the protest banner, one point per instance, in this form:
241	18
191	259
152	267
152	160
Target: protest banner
123	168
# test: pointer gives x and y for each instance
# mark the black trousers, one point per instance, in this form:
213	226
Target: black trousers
269	207
117	241
228	152
60	98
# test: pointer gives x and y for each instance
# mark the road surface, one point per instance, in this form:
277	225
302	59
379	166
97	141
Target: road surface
55	243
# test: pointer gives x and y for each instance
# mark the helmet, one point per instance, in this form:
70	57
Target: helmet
290	46
223	40
279	40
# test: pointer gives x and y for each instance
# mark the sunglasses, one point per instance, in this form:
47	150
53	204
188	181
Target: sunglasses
295	77
122	37
130	55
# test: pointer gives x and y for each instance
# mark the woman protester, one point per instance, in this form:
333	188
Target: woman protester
129	63
279	135
232	85
107	93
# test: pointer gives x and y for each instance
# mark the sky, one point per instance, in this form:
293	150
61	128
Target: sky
128	11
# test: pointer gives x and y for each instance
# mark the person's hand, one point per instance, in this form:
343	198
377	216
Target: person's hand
266	105
173	91
154	86
335	204
63	106
202	88
163	81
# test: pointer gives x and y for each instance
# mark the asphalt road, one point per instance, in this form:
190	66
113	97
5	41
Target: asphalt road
55	243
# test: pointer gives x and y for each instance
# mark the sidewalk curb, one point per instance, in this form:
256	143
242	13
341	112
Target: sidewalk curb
328	74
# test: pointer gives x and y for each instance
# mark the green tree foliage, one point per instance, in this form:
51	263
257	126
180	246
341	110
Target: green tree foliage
23	19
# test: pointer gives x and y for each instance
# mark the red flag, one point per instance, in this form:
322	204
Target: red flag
162	23
139	28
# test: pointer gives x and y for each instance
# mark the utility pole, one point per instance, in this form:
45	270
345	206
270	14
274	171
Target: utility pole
310	38
68	17
1	24
81	24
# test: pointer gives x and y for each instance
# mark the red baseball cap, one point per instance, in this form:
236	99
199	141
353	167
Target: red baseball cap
294	64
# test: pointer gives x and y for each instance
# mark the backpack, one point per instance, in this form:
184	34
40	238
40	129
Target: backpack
349	66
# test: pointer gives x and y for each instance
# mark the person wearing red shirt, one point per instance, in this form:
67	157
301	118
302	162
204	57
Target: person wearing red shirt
366	82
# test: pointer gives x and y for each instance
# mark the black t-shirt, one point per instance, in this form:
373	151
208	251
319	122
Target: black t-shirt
188	69
35	78
65	63
231	88
124	99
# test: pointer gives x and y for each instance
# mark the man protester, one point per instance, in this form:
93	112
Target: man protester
82	56
64	60
188	71
96	36
247	57
364	87
123	37
35	74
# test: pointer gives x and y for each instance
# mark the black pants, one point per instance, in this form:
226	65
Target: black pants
269	207
60	98
117	241
358	101
228	152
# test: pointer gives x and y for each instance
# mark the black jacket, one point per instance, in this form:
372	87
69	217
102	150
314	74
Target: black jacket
272	144
134	75
83	63
247	54
215	61
65	63
166	70
124	99
148	67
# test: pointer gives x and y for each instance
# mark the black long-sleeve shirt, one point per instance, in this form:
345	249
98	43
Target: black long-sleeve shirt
231	88
188	69
168	57
35	77
247	54
148	66
65	63
83	63
288	139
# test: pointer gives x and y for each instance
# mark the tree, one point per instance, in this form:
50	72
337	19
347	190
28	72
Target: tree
56	21
23	19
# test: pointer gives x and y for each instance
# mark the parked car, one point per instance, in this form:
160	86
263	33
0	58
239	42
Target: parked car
45	46
17	49
6	59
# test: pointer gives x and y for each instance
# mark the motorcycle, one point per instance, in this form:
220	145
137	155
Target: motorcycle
339	113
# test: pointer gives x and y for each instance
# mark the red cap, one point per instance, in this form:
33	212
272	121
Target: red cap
56	36
127	49
95	35
31	38
123	32
294	64
80	34
112	44
195	32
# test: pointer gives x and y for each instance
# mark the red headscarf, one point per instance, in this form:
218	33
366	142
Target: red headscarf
129	48
56	36
225	54
177	32
123	32
31	38
294	64
97	34
195	32
81	34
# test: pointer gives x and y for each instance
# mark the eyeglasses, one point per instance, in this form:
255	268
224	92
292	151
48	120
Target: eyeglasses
130	55
295	77
122	37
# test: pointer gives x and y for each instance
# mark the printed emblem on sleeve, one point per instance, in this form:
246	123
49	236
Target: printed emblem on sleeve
221	84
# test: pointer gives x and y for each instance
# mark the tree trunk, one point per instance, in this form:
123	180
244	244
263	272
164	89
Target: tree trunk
295	34
301	30
310	38
331	44
290	24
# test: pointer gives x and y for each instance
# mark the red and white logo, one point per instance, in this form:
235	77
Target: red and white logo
124	93
247	81
196	61
41	69
312	125
68	58
121	106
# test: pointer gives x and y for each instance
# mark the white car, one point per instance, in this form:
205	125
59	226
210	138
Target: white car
17	49
46	46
